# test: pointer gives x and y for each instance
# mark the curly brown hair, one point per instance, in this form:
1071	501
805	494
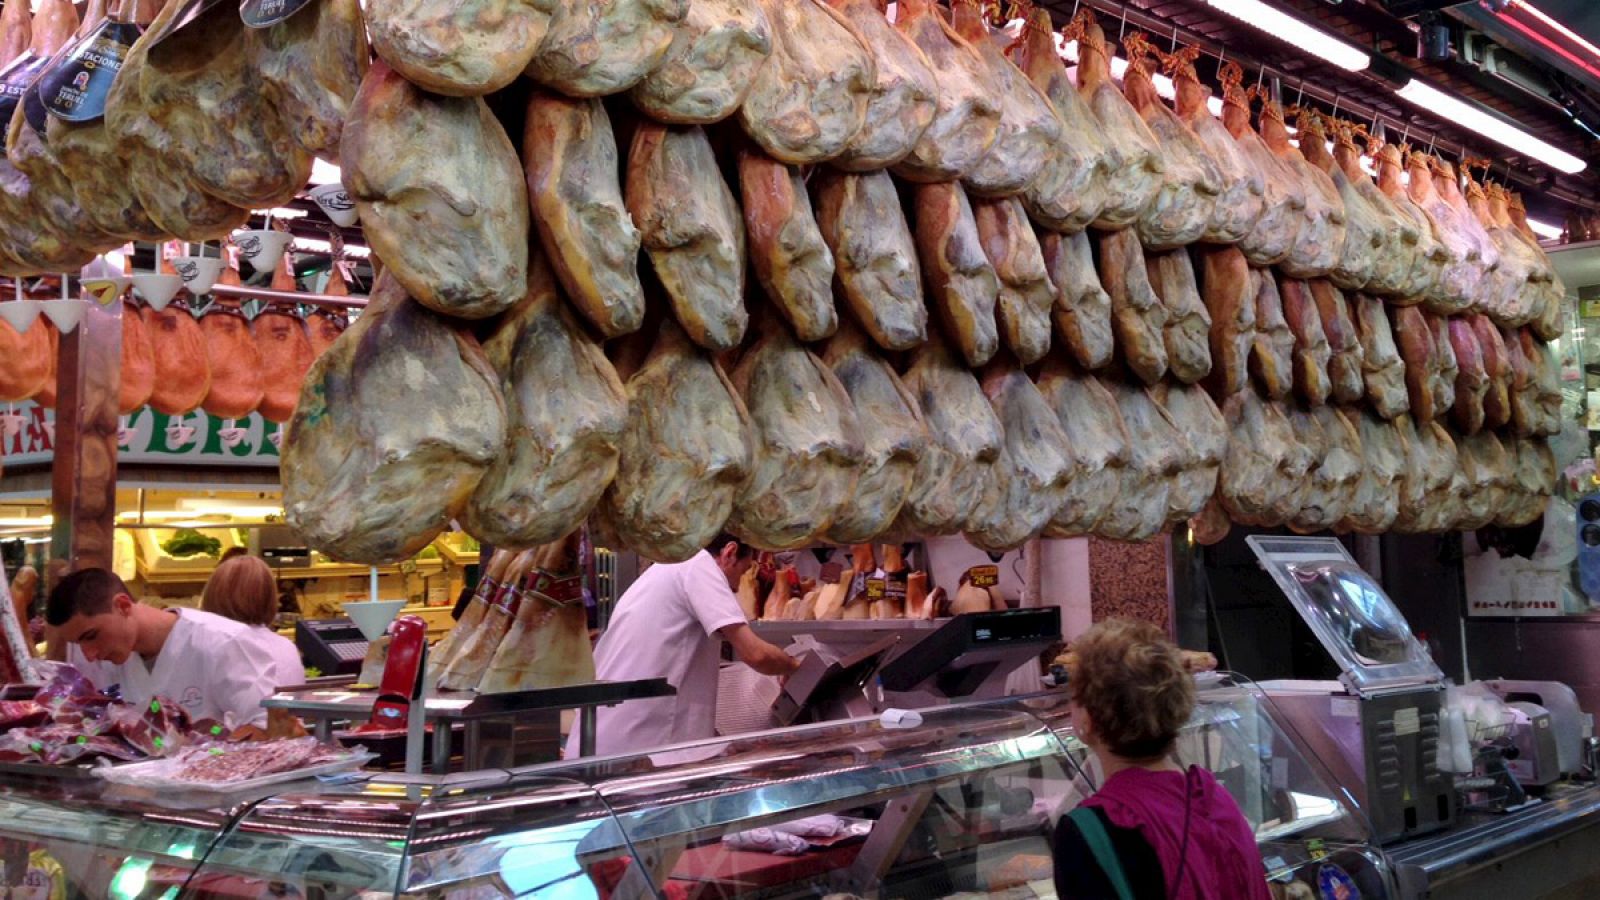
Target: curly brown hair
1133	684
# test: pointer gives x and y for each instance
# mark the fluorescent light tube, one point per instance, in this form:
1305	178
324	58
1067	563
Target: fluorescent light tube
1545	229
1291	30
1451	109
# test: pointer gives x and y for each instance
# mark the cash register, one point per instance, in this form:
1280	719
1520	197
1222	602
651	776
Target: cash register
332	646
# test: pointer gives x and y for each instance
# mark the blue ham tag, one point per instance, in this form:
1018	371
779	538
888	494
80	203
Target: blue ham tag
15	80
75	89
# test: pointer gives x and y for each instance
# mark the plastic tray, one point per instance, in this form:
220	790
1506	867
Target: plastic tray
158	773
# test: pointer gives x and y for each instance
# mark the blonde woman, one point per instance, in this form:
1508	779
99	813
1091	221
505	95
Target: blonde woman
244	589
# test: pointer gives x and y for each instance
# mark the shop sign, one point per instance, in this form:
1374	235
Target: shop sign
1530	609
27	436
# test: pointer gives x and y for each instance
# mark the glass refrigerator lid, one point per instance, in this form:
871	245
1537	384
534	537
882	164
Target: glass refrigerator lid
1348	611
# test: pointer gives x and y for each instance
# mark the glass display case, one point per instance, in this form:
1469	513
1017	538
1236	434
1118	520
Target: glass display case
950	802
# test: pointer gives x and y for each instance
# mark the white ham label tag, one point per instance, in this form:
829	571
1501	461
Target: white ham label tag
266	13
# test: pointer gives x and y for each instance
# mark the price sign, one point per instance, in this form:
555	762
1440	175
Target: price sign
876	589
984	576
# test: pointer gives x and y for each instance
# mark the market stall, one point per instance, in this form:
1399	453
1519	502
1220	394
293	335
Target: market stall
930	304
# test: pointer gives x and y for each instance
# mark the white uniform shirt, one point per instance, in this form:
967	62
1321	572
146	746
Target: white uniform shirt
285	655
665	625
211	666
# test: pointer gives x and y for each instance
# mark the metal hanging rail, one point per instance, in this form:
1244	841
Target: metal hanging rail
1122	12
252	293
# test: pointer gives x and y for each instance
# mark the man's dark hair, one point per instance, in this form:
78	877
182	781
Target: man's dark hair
723	539
86	592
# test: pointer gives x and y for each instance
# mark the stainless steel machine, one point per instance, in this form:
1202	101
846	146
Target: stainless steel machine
1378	726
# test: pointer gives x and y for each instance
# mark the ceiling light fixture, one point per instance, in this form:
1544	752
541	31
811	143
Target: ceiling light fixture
1546	230
1293	31
318	245
1451	109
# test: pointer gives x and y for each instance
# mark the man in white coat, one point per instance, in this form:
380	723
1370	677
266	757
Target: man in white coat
671	623
207	664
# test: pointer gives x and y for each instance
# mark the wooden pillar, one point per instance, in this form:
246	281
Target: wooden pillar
84	473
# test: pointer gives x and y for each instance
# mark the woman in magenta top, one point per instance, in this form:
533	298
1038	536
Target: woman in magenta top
1168	833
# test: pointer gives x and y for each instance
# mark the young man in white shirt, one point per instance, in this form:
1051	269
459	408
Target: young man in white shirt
207	664
671	623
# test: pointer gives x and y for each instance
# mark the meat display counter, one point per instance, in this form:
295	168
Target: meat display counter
951	801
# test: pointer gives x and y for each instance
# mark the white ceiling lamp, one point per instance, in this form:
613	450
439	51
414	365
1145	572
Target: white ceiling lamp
1451	109
1291	30
1546	230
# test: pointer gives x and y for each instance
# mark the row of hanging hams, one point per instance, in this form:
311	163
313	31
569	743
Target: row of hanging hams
222	363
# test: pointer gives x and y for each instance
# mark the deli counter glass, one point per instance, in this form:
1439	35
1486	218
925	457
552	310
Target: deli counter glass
949	802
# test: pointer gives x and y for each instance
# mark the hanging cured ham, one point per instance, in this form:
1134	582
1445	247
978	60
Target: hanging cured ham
966	438
547	645
1082	311
46	395
966	118
1383	463
50	192
221	131
183	365
1415	341
94	162
689	224
1272	354
1461	274
1401	234
1138	318
1069	192
396	425
1472	377
1205	438
1181	211
787	251
1242	202
1514	284
810	99
1029	480
310	68
1320	239
905	95
1328	493
1311	350
1492	295
684	452
710	65
1136	164
286	353
575	190
806	444
459	49
138	369
962	284
237	372
1497	366
325	324
894	442
1029	131
1188	324
874	255
27	361
599	47
1382	370
1026	297
561	446
1264	463
1230	300
1346	356
15	31
454	236
1157	453
1427	267
1097	443
1272	236
1366	232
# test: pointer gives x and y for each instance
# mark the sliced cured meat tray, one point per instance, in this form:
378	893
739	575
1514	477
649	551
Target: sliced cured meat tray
239	767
